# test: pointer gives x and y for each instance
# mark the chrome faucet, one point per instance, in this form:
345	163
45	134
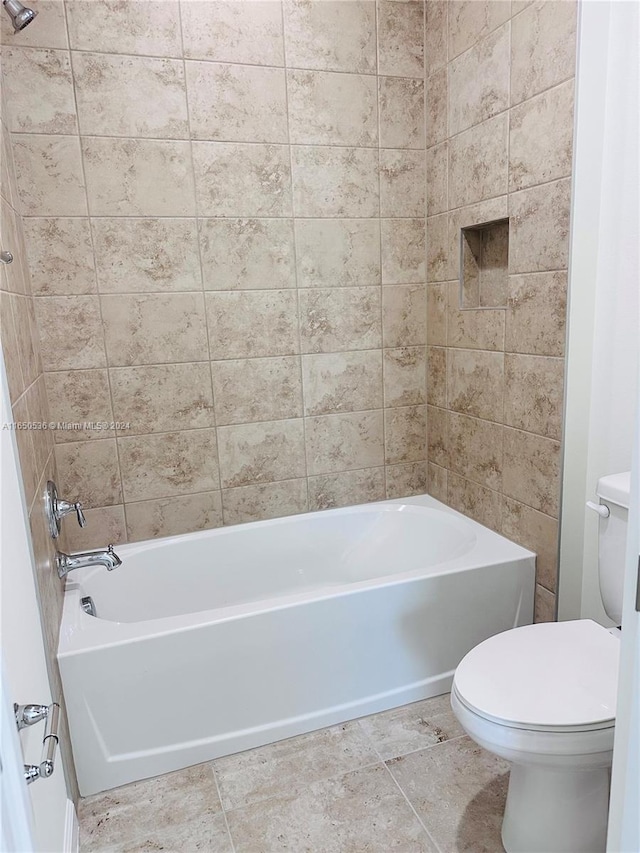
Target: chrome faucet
66	563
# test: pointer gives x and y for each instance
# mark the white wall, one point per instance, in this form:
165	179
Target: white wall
602	354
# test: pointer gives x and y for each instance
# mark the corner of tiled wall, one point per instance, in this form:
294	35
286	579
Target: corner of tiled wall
500	80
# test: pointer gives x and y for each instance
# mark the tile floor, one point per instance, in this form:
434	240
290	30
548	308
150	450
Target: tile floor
406	780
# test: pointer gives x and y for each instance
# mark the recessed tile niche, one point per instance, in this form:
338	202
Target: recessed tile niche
484	265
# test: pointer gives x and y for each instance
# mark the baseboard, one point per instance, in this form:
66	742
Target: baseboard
71	830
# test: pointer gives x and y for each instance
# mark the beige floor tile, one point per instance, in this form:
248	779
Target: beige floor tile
360	812
204	833
412	727
277	769
458	790
152	812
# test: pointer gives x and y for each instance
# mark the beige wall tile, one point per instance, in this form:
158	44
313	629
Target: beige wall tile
27	73
543	47
438	436
475	448
50	32
264	500
536	313
405	435
539	228
88	472
49	175
479	81
38	411
401	110
342	382
406	480
228	31
541	138
475	383
477	502
130	96
26	452
480	213
437	376
14	277
472	20
437	314
261	452
532	470
478	162
337	252
341	318
162	397
70	332
402	182
10	346
251	254
61	259
403	251
483	329
257	389
348	488
401	38
545	605
326	108
105	525
248	324
405	377
344	442
152	255
437	478
148	27
404	310
239	103
79	397
173	516
534	394
26	332
439	260
437	171
154	328
536	531
436	34
233	179
175	463
335	181
437	97
331	35
138	177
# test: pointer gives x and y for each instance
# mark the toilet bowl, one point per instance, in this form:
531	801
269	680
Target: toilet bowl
543	697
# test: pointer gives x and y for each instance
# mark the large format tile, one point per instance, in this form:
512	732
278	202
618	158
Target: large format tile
403	251
273	770
536	313
412	727
228	31
248	324
405	434
173	516
346	488
264	500
362	810
50	32
475	450
61	259
533	394
261	452
401	110
342	382
326	108
401	38
49	175
176	463
79	397
247	254
331	181
147	27
105	524
475	501
70	332
475	382
130	96
341	318
185	800
337	252
470	328
437	171
138	177
404	310
406	479
537	531
472	20
436	34
88	471
257	389
532	470
240	103
331	35
472	783
402	182
27	73
539	228
405	377
437	99
344	442
478	162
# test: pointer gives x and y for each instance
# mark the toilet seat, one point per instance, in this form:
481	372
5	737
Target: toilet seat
549	677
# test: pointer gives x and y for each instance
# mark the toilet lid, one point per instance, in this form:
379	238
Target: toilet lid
549	675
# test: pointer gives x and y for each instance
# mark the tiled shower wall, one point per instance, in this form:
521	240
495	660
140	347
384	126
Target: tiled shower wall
500	83
27	394
225	220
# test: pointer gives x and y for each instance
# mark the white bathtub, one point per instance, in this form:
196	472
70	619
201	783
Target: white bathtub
214	642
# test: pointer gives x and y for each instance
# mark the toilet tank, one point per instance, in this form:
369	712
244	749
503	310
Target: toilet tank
613	491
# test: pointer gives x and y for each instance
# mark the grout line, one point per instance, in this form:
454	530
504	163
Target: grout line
222	808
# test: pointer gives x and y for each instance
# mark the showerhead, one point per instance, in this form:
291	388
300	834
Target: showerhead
19	14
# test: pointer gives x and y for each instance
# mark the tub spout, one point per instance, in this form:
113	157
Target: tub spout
66	563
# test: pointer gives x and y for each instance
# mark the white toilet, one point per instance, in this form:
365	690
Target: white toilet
544	698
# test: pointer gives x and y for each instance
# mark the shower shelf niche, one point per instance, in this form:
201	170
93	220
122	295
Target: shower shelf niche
484	265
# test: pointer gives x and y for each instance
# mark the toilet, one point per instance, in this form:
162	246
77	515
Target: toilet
543	697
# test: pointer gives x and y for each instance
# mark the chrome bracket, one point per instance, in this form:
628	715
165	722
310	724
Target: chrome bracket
28	715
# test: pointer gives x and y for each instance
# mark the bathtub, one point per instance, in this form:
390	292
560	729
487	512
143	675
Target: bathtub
214	642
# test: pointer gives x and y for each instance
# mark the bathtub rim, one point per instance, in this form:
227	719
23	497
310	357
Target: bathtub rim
80	632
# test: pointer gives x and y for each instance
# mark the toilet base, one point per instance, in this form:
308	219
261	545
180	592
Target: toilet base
551	810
